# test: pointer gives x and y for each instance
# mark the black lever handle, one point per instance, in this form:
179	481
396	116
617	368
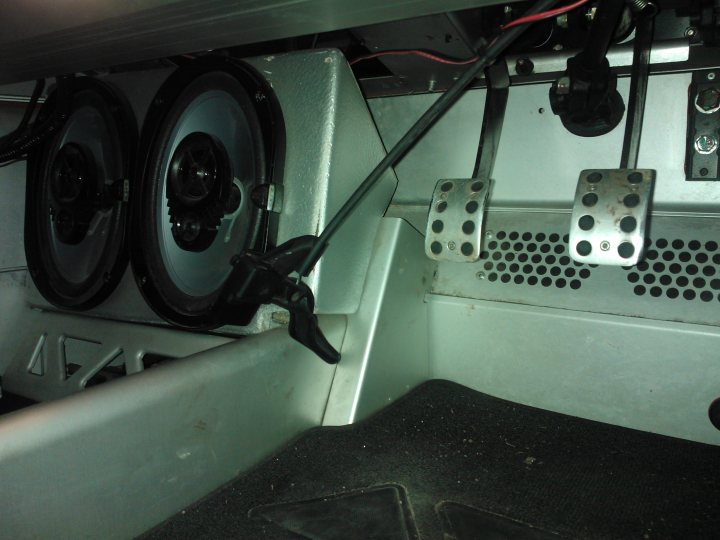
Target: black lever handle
263	278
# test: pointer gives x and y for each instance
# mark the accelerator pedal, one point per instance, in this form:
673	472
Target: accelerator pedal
609	216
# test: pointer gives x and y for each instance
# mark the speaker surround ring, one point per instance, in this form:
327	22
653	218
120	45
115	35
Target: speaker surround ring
185	239
75	241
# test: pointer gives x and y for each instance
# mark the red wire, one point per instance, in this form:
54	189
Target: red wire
435	58
416	52
544	15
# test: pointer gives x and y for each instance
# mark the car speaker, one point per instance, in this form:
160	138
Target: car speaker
212	138
78	181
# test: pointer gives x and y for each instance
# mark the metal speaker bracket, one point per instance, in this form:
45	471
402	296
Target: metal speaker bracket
609	216
454	229
703	137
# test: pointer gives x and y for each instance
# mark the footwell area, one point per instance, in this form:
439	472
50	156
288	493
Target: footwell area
448	462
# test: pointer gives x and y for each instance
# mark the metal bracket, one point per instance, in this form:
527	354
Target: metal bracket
268	197
609	216
703	135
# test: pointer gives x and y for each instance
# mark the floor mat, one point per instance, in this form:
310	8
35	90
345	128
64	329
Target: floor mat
380	513
444	443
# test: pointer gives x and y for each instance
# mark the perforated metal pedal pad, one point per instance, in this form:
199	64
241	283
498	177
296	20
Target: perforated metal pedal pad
454	229
609	216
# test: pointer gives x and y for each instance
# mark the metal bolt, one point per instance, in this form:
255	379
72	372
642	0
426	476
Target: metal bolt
708	100
431	85
451	245
480	275
706	144
563	85
711	76
690	32
489	235
605	245
280	317
524	66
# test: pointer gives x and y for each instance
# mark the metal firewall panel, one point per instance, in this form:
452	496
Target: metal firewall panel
332	145
538	160
638	373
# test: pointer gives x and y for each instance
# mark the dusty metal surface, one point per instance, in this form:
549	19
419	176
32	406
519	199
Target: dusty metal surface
39	39
638	373
538	160
332	146
48	361
384	353
132	452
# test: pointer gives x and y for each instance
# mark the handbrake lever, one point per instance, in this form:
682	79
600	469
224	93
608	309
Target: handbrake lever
264	278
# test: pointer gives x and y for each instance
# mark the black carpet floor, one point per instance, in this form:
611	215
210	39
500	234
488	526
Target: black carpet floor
446	444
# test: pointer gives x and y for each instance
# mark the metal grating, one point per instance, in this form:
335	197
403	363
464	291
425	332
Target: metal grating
535	259
526	260
678	269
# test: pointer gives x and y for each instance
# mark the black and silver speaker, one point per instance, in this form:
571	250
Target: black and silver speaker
76	202
212	139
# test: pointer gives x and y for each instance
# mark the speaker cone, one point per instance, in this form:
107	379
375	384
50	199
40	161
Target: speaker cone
77	182
210	138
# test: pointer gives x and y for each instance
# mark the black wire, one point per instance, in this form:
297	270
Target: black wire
434	112
39	132
9	139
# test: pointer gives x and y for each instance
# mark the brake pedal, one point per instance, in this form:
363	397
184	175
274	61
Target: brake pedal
454	228
609	216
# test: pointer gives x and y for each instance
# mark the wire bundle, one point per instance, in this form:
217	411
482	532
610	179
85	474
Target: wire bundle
27	135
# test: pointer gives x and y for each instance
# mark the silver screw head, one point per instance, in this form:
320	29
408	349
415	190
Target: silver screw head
605	245
706	144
